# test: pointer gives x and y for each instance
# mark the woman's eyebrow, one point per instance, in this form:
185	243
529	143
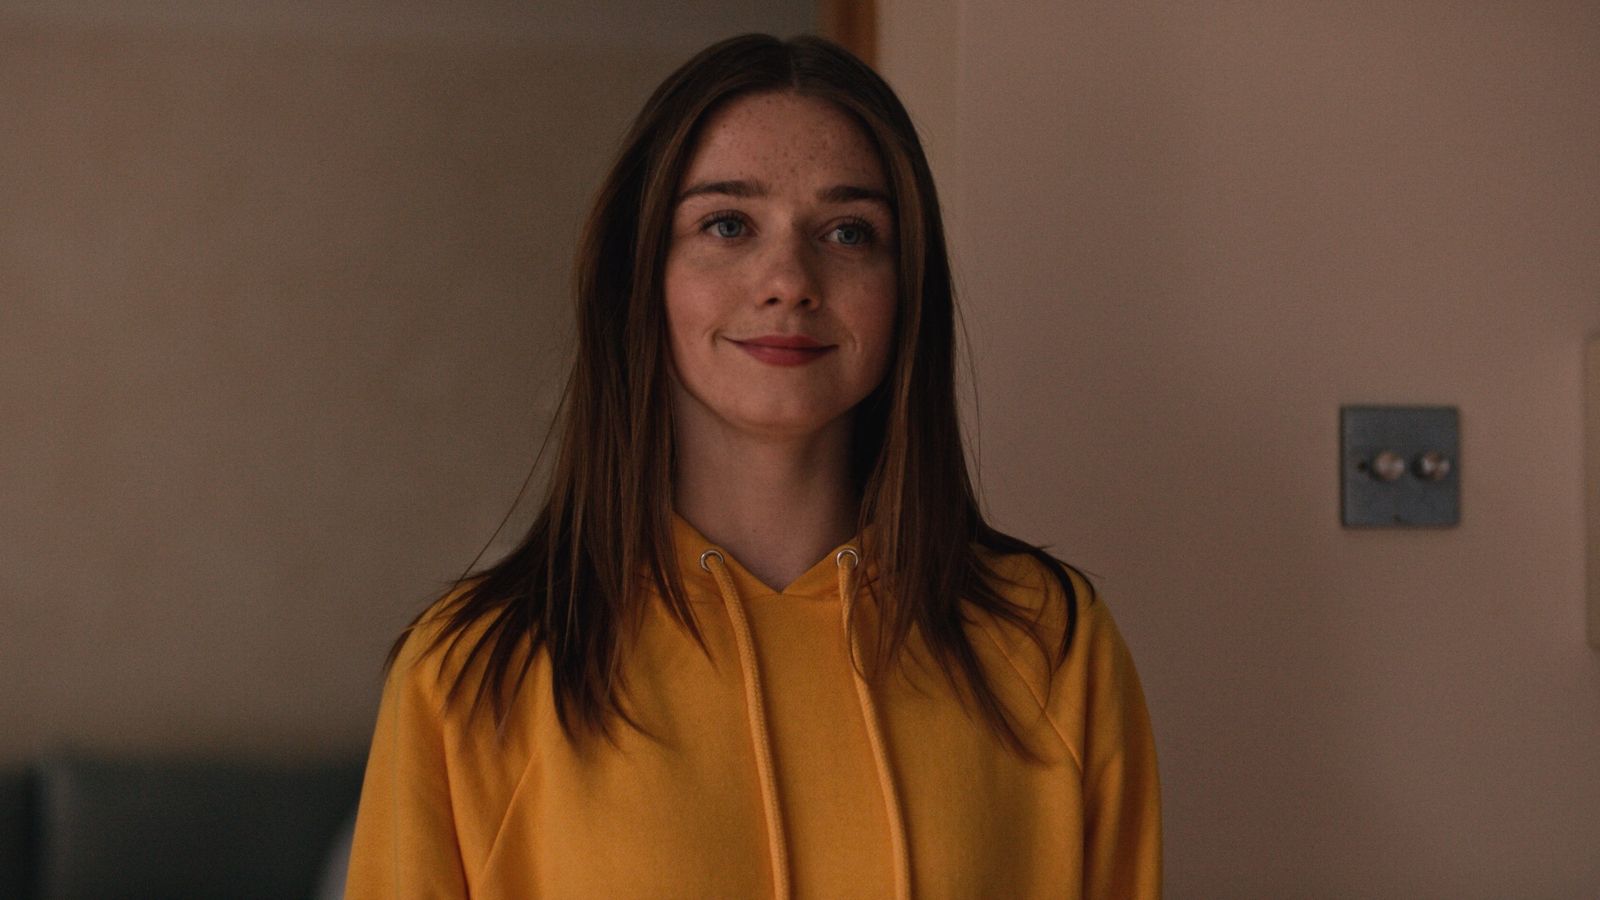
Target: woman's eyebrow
839	193
846	193
739	189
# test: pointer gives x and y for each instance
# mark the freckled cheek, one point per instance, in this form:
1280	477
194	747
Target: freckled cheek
694	306
876	326
692	338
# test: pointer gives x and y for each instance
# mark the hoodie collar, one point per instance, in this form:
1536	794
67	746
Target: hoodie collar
820	582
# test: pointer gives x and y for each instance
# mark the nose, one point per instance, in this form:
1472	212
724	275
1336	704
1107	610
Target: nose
788	275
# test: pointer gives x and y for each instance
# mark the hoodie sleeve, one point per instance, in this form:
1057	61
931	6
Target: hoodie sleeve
405	841
1121	787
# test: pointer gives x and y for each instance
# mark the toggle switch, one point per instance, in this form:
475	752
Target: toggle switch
1387	466
1432	466
1400	466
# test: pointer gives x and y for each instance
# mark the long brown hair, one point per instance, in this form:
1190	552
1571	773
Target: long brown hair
572	588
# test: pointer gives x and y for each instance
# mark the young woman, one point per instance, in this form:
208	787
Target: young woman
759	640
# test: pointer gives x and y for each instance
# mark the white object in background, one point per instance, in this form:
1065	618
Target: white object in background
337	865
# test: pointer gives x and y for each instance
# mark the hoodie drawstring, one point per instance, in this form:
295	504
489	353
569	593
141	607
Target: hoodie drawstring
869	714
755	710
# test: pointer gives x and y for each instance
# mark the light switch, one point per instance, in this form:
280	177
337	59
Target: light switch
1400	466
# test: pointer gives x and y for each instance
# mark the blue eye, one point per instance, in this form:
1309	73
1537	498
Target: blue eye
854	234
727	227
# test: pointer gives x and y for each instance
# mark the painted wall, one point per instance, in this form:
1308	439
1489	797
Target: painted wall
1186	234
283	307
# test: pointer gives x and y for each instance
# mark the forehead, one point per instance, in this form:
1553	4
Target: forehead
784	138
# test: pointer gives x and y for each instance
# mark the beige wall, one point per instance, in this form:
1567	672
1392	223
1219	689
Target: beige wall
1186	234
282	312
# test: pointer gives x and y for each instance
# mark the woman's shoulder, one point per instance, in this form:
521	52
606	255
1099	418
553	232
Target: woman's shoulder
1048	612
1074	662
1049	590
437	648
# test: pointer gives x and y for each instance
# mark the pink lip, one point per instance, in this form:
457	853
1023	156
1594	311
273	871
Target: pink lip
784	349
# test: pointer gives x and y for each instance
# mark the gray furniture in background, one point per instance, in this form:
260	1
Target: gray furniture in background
77	826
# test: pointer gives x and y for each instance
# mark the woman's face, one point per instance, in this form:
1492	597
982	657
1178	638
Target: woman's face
780	276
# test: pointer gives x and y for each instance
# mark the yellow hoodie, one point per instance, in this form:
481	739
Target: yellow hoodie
779	773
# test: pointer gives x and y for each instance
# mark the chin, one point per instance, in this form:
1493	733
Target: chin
786	425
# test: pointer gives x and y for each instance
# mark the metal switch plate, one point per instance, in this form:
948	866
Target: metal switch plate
1400	466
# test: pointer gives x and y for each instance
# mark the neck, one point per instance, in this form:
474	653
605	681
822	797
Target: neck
776	504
